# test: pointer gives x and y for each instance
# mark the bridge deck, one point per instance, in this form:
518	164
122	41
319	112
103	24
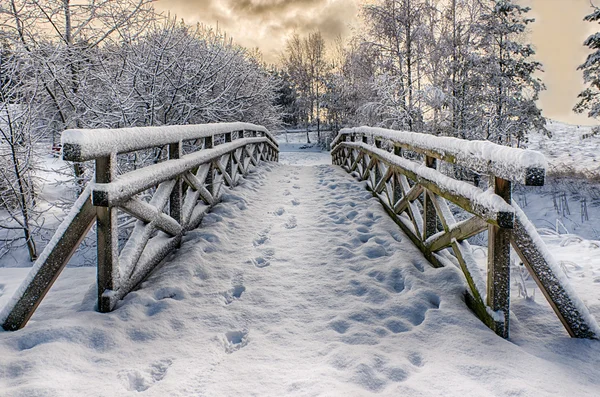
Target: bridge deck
297	284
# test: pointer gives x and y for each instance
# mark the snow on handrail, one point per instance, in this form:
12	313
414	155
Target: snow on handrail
125	186
485	204
513	164
83	145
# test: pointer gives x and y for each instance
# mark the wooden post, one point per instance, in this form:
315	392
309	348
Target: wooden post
175	200
208	144
498	276
378	174
63	249
429	214
228	137
365	139
107	235
229	167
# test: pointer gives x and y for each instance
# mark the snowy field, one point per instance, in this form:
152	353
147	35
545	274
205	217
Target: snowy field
314	291
572	151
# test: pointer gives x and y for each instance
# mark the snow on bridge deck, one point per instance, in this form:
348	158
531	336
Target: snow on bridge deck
297	284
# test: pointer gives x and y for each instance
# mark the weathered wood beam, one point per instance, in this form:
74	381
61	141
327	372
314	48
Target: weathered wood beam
411	195
459	231
150	214
142	231
429	214
175	201
122	188
107	235
49	264
379	187
571	311
446	187
470	269
498	282
481	156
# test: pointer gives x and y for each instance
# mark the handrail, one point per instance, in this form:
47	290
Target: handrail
187	186
414	195
82	145
516	165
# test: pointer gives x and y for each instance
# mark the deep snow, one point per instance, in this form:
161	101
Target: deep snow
297	284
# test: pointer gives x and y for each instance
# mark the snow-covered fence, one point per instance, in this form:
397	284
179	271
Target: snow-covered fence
185	185
416	196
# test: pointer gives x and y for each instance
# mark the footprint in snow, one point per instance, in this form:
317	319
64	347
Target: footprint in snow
291	223
141	380
260	240
263	260
295	202
262	237
279	211
286	192
235	340
233	294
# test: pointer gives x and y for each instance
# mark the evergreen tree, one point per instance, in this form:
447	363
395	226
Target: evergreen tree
508	71
589	98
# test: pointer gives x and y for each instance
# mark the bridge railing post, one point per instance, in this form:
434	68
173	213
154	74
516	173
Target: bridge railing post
176	197
498	274
208	182
107	235
429	212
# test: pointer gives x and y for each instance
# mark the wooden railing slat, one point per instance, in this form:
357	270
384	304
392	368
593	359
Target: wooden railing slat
417	207
49	265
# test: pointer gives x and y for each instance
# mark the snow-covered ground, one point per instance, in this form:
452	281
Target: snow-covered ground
297	284
572	151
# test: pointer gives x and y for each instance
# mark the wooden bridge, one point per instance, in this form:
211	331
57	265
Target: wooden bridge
408	173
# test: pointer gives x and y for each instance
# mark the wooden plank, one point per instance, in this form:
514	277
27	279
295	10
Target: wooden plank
124	187
106	237
443	211
459	231
528	175
411	235
498	282
379	187
429	213
531	252
411	195
469	266
147	263
175	200
49	265
223	171
150	214
356	161
503	218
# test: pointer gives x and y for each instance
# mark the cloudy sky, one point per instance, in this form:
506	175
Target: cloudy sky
557	34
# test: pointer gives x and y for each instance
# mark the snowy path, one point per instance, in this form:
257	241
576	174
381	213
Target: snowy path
297	285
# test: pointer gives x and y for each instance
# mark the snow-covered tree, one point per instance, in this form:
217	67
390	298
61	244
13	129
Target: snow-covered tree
505	63
19	134
589	99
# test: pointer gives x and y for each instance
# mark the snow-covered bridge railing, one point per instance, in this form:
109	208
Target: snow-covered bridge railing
416	196
185	185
